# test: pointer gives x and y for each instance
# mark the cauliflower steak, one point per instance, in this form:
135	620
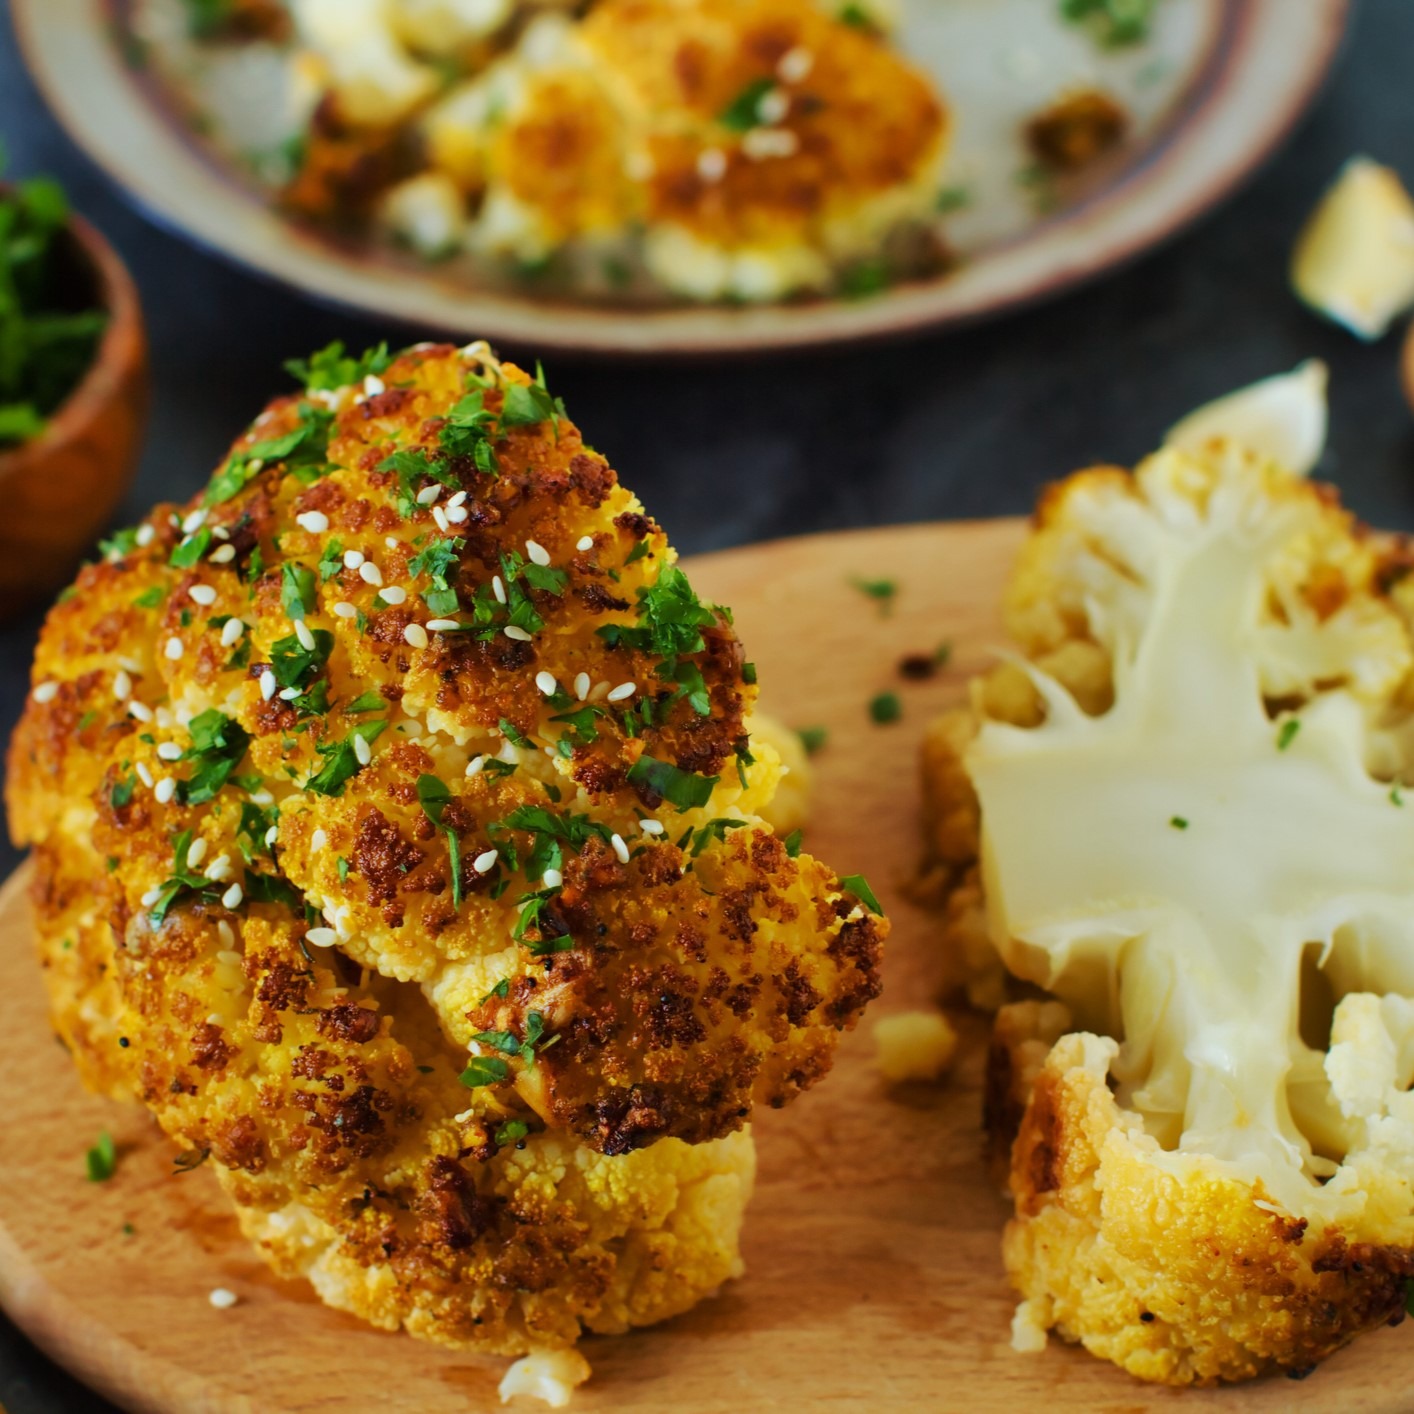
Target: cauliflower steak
398	842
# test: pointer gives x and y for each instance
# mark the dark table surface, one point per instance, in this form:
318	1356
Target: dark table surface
961	425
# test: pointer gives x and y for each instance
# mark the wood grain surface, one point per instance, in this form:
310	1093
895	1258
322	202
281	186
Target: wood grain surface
874	1277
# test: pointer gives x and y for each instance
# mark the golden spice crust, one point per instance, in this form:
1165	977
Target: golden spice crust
314	829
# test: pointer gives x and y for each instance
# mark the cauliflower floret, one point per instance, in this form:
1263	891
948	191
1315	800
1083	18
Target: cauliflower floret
1208	862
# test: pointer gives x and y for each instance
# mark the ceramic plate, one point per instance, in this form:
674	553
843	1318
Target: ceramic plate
1210	93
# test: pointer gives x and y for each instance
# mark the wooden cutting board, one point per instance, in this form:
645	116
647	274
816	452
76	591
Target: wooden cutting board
874	1277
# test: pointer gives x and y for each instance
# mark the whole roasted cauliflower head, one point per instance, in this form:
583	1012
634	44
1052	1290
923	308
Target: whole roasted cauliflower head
1189	826
398	841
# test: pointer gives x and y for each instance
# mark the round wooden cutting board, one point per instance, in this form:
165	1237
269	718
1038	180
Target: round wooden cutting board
874	1276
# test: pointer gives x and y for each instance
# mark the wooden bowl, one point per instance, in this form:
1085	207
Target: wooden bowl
60	489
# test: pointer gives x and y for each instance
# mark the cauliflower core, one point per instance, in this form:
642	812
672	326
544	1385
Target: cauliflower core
1192	832
398	842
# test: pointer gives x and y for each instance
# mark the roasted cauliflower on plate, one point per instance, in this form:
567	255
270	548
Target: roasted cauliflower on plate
398	842
1179	808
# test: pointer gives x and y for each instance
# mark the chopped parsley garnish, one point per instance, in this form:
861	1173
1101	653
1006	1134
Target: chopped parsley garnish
254	826
581	723
192	1159
330	369
885	708
120	794
882	590
662	779
748	674
181	882
507	1044
272	888
296	590
858	885
637	553
150	598
102	1159
812	738
331	560
1288	731
293	663
1178	822
713	830
439	561
412	467
341	761
513	733
484	1070
792	844
864	278
469	432
670	621
365	702
217	745
956	198
1113	22
744	111
435	798
526	405
1396	796
188	552
302	450
511	1132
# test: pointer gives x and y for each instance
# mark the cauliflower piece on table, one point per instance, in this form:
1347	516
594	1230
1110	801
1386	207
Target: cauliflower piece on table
1210	862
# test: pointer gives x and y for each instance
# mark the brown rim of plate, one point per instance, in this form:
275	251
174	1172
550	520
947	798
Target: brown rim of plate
1111	228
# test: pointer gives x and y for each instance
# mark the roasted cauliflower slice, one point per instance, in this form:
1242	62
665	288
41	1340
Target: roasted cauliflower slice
398	841
1190	828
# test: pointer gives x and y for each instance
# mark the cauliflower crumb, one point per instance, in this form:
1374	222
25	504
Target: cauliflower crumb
1028	1334
549	1375
915	1045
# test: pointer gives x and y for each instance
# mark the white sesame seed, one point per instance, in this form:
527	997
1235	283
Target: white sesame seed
763	143
222	1299
316	522
599	692
552	878
362	750
651	827
226	933
440	516
537	552
581	685
122	685
622	691
306	638
415	635
174	648
455	515
203	594
546	683
485	862
222	555
394	595
473	767
318	840
170	751
773	106
712	164
232	897
144	535
442	625
196	853
428	494
130	665
345	610
456	500
231	632
391	541
288	694
498	589
321	937
620	848
257	463
150	897
369	573
272	834
164	790
353	559
46	692
795	65
140	710
267	684
219	870
143	774
193	522
261	797
516	632
585	542
219	532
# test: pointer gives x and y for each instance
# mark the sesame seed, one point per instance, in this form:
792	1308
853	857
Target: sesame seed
362	751
150	897
599	692
353	559
622	691
170	751
267	684
46	692
345	610
122	685
222	1299
651	827
516	632
306	638
231	632
196	853
369	573
321	937
712	164
373	385
456	515
440	516
415	635
316	522
272	834
203	594
498	589
537	552
143	774
456	500
762	143
585	542
288	694
232	897
773	106
485	862
318	839
393	595
219	870
620	848
391	541
174	648
442	625
226	933
222	555
130	665
261	797
140	710
546	683
257	463
164	790
581	685
193	522
428	494
144	535
552	878
473	767
219	532
795	65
